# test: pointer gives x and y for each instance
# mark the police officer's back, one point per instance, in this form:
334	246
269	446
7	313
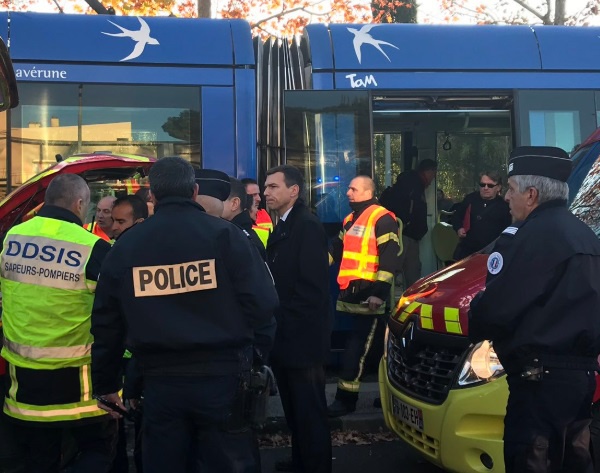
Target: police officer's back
173	287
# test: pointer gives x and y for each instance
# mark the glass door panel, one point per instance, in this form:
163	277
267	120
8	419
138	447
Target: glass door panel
328	137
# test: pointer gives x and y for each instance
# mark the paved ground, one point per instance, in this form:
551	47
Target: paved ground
366	418
381	457
361	440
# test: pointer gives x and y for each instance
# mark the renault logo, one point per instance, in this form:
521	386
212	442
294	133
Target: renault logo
407	347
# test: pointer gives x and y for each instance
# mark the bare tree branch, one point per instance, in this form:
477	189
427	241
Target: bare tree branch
476	14
530	9
276	15
285	12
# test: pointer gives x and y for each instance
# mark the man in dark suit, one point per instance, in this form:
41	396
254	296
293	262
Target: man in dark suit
297	254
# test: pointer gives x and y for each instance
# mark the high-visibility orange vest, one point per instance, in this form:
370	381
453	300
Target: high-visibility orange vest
132	186
360	259
263	226
96	230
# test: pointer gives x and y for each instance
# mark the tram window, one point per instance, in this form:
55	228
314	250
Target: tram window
328	137
555	117
67	119
561	128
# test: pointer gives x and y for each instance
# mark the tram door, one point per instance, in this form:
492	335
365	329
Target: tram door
463	142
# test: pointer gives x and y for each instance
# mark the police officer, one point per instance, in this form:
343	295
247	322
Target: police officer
213	190
540	310
368	247
50	265
175	290
236	211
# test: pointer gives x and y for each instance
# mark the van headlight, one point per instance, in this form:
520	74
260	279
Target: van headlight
481	366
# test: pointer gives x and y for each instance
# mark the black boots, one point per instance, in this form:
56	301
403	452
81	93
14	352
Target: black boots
340	408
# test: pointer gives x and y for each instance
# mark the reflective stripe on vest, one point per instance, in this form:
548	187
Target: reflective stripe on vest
263	220
262	233
360	259
86	407
38	353
132	186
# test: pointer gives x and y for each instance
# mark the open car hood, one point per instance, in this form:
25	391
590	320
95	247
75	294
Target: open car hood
450	288
91	167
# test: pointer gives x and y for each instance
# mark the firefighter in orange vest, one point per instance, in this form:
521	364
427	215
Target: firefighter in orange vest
102	226
263	224
368	248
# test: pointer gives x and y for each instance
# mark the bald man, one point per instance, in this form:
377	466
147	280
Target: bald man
103	221
368	248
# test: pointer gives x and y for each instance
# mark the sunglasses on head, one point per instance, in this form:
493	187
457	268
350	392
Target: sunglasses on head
489	186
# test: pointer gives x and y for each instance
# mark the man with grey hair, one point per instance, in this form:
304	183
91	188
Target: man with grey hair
540	310
188	311
49	269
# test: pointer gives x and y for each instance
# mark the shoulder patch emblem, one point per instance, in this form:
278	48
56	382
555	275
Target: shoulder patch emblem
511	230
495	262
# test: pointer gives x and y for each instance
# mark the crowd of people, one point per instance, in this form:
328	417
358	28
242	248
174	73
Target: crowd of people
167	304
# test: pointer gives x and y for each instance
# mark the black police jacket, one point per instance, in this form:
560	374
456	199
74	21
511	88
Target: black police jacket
542	292
173	286
297	254
245	222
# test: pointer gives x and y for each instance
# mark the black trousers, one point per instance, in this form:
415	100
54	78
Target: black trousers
302	392
43	446
546	428
188	422
11	452
121	461
358	344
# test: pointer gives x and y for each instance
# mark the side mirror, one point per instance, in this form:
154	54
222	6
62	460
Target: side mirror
9	97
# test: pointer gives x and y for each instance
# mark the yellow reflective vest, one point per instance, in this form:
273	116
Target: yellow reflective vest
47	304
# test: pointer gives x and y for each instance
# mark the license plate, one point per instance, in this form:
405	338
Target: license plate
408	414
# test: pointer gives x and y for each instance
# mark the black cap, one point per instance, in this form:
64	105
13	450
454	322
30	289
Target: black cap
546	161
213	183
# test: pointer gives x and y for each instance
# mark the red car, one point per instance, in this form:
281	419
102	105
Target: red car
105	173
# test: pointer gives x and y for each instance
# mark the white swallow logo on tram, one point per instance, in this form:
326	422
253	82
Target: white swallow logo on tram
141	38
362	36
